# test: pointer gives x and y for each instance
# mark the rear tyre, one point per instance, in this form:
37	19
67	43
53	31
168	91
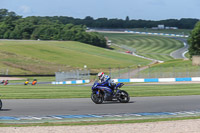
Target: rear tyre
123	96
0	104
98	99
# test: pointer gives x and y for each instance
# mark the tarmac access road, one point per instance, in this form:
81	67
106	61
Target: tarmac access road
84	106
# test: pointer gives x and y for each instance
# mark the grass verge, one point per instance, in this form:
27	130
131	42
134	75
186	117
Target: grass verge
69	91
99	122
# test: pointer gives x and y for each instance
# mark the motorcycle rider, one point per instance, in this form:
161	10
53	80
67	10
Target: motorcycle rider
26	82
106	81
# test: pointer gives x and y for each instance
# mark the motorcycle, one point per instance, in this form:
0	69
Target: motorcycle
26	82
103	93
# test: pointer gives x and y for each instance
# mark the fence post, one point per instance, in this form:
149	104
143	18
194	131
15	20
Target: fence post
199	72
148	71
77	73
128	72
187	71
88	74
119	72
138	71
7	71
174	76
110	72
160	72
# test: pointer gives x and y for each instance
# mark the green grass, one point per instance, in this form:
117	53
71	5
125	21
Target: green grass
66	91
179	64
172	68
187	55
47	57
156	47
176	63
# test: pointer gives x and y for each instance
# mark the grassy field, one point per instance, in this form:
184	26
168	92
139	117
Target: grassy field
47	57
155	47
171	69
181	64
176	63
66	91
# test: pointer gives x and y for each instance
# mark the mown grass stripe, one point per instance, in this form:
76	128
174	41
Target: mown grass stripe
148	44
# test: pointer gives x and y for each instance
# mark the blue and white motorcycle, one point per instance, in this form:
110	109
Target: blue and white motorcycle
102	93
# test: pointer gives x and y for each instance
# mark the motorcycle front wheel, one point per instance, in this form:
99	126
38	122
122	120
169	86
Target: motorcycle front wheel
97	98
123	96
0	104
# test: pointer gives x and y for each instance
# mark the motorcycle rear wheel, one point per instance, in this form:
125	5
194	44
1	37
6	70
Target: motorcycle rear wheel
0	104
98	99
123	96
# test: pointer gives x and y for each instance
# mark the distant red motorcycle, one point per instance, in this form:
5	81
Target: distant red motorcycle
6	82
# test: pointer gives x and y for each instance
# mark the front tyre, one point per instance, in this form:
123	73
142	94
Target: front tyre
98	99
0	104
123	96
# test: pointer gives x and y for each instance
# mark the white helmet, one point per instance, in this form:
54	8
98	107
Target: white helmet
101	75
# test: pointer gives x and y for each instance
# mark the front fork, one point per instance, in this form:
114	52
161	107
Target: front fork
116	93
98	93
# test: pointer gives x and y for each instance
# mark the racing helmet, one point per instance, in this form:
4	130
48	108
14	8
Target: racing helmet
101	75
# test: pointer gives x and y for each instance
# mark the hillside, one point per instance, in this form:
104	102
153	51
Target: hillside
155	47
48	57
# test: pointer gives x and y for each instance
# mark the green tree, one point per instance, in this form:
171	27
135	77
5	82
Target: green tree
194	41
3	29
127	18
7	34
49	28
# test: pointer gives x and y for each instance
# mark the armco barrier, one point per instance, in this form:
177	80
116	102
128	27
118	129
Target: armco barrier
158	79
72	82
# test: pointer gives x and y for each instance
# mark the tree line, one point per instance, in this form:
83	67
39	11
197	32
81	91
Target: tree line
13	26
184	23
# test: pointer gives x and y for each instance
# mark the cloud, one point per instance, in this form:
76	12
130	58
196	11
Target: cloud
25	9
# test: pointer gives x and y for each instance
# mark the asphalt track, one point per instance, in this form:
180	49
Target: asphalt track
84	106
179	54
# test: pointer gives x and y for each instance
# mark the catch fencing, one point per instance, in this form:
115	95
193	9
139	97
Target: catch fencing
72	75
158	72
4	71
127	73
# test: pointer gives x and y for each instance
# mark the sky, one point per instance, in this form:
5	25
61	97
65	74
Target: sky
135	9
